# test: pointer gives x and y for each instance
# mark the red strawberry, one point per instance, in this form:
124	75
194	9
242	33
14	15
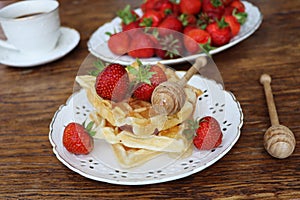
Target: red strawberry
158	77
188	28
151	18
118	43
238	5
220	32
149	5
112	82
188	19
170	46
77	139
165	7
192	7
143	92
229	11
131	26
208	134
213	8
142	46
147	79
129	18
233	24
197	39
170	22
176	9
226	2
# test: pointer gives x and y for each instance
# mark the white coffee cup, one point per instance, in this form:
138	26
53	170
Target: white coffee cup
31	27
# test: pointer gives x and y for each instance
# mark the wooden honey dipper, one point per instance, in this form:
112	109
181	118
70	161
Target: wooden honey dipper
279	140
169	97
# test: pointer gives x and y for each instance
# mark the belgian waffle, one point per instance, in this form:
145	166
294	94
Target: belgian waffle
138	114
136	133
131	150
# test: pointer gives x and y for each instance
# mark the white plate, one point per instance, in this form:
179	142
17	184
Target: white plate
97	44
68	41
101	164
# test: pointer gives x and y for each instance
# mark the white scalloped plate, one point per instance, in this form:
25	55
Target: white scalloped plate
97	43
101	164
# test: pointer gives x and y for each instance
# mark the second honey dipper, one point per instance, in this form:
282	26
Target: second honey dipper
279	140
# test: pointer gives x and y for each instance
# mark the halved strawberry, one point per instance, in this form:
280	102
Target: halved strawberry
77	139
206	133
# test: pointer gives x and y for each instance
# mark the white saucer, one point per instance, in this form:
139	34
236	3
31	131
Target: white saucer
68	41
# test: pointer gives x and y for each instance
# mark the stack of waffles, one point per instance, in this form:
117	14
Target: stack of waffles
135	132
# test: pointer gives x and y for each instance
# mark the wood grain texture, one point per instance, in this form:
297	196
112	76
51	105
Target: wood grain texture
29	98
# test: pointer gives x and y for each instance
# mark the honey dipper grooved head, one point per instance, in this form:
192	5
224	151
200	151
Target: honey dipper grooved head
168	98
279	141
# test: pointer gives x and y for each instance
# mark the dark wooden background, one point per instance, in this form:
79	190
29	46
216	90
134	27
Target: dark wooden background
29	98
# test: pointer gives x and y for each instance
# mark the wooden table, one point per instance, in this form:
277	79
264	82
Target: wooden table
29	98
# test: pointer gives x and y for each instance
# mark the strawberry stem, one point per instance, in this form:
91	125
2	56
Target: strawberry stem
222	23
147	22
191	127
89	127
142	74
241	16
99	65
216	3
206	48
126	15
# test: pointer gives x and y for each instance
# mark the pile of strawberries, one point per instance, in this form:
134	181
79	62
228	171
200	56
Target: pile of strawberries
113	81
169	29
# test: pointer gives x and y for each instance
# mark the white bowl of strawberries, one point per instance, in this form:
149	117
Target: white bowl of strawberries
170	32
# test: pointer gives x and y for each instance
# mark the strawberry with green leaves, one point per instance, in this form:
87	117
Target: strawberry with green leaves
213	8
196	40
166	7
206	133
220	32
77	138
112	81
170	24
129	17
151	18
233	23
188	19
238	4
240	16
169	46
147	78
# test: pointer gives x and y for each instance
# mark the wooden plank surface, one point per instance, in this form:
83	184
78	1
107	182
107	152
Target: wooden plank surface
29	98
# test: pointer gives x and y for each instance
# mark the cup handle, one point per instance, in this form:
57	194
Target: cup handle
6	45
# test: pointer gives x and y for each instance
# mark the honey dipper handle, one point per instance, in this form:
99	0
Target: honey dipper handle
199	63
265	80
